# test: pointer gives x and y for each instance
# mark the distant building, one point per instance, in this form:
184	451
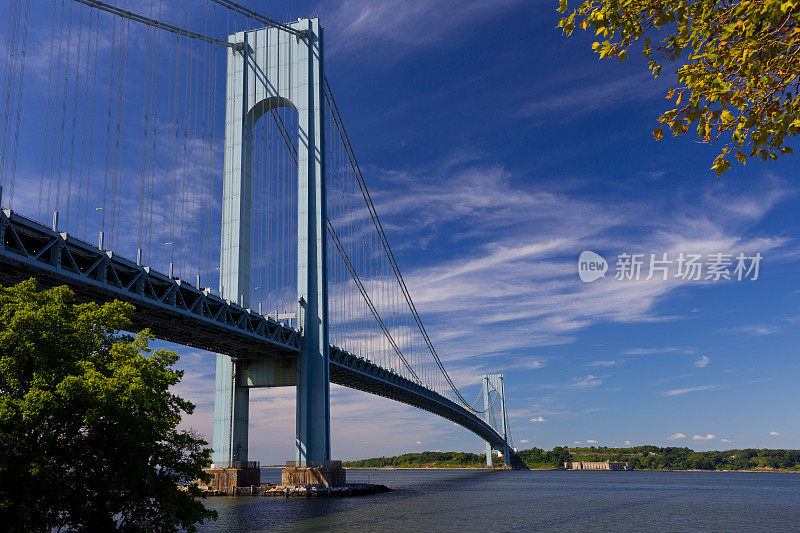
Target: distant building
605	465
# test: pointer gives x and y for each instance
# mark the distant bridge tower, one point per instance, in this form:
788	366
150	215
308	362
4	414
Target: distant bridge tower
270	68
494	382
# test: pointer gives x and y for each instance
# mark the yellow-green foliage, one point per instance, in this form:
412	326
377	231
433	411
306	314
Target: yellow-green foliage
740	65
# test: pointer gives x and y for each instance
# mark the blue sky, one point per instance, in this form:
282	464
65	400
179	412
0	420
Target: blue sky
497	151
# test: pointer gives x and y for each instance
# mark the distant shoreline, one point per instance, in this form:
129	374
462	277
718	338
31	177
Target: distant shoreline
646	458
431	468
765	471
415	468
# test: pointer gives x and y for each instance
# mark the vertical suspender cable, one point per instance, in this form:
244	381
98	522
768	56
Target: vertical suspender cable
47	110
145	130
122	89
9	84
83	193
112	56
20	92
64	109
74	116
50	203
90	150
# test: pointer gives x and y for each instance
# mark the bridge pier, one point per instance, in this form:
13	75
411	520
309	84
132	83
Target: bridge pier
231	414
485	388
313	439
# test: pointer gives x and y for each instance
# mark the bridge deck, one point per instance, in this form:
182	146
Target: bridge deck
179	312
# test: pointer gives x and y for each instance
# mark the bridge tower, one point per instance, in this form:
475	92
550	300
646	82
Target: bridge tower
270	68
495	382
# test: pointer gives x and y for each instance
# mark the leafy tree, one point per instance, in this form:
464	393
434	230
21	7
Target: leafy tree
558	456
88	426
740	65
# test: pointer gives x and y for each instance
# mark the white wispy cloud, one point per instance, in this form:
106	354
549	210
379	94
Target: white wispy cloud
590	97
605	363
678	392
521	244
753	330
590	441
702	362
774	434
703	437
538	419
588	381
364	25
525	364
676	436
651	351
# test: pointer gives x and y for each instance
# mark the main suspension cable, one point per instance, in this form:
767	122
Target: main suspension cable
233	6
384	242
152	22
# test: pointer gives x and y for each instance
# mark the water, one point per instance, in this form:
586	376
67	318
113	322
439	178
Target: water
453	500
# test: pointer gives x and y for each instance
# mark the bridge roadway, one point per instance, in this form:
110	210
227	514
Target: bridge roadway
179	312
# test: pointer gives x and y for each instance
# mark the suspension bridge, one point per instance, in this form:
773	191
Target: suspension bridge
190	158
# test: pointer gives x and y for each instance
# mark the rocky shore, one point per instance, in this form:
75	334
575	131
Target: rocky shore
301	491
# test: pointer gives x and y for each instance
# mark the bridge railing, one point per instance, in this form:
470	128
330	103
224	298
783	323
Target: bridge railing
169	306
362	374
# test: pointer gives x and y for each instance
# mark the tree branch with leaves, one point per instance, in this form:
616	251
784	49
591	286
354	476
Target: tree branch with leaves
740	65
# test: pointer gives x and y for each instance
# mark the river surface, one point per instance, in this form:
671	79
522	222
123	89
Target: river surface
467	500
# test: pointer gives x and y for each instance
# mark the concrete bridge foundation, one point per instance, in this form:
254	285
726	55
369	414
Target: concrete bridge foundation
329	474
